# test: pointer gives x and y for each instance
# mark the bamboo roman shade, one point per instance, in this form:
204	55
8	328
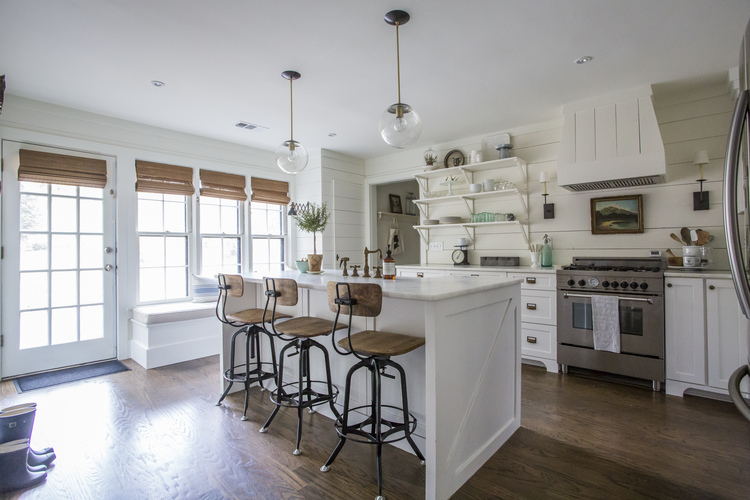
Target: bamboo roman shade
221	185
51	168
162	178
268	191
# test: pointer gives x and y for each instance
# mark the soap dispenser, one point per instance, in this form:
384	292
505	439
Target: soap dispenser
547	252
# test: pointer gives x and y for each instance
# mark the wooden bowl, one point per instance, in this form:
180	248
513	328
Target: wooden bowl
674	261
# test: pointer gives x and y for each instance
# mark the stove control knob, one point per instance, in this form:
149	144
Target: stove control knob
605	284
594	282
634	285
581	282
571	282
624	284
615	284
644	286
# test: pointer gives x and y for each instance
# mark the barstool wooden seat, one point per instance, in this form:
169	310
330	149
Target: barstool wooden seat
299	334
373	349
250	322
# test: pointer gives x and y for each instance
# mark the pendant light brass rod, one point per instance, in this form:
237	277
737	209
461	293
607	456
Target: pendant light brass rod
398	65
291	113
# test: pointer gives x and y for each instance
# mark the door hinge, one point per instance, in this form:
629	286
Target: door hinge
2	252
2	340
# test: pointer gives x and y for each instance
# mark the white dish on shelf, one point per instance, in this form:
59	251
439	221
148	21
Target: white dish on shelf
431	222
450	220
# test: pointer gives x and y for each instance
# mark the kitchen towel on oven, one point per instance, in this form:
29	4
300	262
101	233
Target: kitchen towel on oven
606	315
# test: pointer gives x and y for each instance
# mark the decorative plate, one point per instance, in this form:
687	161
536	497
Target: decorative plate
454	158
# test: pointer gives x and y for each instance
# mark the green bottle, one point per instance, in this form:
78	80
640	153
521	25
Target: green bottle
546	252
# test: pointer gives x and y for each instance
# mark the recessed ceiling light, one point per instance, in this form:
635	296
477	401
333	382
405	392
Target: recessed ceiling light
583	60
157	83
332	134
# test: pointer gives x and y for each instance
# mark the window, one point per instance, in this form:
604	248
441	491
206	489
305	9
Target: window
220	235
268	236
163	246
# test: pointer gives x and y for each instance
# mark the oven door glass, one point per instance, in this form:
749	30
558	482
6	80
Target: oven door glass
631	318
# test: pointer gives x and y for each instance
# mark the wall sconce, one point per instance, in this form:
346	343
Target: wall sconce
294	207
700	198
549	208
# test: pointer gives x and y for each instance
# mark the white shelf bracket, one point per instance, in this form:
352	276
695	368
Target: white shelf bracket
467	175
424	209
422	184
524	233
523	203
470	208
424	234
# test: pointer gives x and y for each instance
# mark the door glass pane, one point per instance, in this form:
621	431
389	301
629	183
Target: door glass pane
33	329
33	291
176	282
33	213
631	320
151	284
150	216
64	215
64	325
87	192
174	217
64	288
151	251
582	317
91	216
176	251
92	287
92	322
33	252
210	221
63	190
64	251
92	252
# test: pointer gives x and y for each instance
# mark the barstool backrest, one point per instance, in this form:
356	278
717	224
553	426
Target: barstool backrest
230	285
286	290
367	298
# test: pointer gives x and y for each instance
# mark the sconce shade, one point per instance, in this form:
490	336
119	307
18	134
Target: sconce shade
544	177
701	158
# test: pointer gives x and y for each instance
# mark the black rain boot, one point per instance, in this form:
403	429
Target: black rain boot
45	456
15	435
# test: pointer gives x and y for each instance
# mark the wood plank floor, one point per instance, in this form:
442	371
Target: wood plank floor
157	434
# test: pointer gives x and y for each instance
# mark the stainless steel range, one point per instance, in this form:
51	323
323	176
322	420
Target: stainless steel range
639	285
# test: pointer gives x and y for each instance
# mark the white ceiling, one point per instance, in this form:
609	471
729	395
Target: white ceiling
468	67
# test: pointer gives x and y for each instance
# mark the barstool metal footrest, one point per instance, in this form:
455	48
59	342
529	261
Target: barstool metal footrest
252	376
370	437
293	399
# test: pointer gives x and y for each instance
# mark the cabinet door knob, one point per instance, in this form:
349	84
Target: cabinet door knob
669	285
531	306
531	340
711	287
531	280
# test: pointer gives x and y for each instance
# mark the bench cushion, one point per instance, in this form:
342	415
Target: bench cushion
175	311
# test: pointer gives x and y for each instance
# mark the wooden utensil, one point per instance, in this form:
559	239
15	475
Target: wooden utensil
685	233
702	237
669	252
677	239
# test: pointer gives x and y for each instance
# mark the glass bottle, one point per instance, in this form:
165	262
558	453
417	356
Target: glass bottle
411	209
546	252
389	265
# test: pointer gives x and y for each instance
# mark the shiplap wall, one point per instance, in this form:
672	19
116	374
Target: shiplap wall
689	121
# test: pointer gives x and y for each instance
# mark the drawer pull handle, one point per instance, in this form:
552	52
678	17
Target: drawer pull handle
420	275
669	285
531	340
711	287
531	306
475	275
531	280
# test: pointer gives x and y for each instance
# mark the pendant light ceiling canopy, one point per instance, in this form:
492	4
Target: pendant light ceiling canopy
400	125
291	156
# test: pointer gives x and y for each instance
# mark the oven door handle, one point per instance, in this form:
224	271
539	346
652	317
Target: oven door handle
636	299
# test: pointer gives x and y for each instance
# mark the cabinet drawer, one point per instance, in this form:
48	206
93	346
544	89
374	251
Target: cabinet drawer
536	281
539	340
483	274
539	306
418	273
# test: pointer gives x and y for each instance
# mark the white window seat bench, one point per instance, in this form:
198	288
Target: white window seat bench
165	334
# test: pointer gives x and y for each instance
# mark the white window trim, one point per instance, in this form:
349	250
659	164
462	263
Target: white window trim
284	236
244	231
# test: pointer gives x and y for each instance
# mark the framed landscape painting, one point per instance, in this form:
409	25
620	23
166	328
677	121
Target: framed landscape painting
617	214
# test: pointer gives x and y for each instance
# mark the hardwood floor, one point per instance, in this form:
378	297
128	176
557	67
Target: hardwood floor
157	434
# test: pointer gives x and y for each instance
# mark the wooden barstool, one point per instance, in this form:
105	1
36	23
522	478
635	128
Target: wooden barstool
299	333
374	350
250	322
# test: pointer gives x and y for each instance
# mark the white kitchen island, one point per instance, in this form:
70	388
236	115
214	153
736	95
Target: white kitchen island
464	384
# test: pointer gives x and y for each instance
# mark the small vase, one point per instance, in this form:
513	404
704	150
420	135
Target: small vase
535	258
315	261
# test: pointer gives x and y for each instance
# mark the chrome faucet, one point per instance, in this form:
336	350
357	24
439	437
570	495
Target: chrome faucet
366	273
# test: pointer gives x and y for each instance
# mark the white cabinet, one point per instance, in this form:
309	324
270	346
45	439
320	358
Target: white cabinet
726	329
684	319
539	306
538	318
705	335
419	273
483	274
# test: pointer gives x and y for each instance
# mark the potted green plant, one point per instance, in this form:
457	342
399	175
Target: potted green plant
430	158
312	218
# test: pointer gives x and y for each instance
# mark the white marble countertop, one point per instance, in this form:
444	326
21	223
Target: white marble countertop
697	272
504	269
437	288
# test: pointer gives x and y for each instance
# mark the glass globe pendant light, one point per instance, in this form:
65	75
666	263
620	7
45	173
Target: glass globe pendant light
291	156
400	125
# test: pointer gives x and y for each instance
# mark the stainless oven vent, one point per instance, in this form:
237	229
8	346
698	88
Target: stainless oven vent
619	183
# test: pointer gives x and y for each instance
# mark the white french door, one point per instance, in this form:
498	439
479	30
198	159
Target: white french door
58	269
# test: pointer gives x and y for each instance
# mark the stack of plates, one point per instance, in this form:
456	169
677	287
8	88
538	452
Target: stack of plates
450	220
430	222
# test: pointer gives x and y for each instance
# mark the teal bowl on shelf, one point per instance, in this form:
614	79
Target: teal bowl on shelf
302	266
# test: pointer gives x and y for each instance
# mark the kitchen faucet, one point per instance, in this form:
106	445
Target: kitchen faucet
344	262
366	273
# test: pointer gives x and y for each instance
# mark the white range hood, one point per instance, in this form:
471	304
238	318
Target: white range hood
611	142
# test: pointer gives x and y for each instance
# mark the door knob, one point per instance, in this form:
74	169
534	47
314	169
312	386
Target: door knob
107	250
108	267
